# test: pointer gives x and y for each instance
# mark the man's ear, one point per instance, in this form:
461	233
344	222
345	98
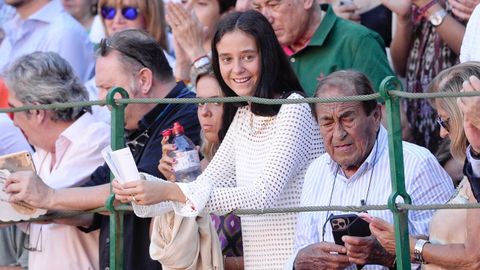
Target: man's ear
145	80
308	4
377	113
40	115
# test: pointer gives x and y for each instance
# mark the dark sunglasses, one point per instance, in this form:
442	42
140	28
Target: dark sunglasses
105	44
443	123
129	13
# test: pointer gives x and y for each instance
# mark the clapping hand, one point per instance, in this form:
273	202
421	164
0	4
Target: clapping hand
463	9
470	106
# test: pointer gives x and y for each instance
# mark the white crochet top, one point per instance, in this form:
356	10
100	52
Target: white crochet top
260	164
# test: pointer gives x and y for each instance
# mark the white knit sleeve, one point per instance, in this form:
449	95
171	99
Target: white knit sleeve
153	210
289	148
220	172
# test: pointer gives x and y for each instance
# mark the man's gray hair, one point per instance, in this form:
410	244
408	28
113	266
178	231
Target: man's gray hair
46	78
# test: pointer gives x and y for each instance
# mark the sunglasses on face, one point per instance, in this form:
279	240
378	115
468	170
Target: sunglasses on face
443	123
129	13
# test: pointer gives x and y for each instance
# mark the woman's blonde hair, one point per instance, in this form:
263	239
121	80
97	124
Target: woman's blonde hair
451	80
154	13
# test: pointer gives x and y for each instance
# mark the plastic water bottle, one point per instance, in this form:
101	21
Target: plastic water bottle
187	166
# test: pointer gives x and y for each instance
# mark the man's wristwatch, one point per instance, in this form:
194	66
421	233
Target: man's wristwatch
437	18
418	250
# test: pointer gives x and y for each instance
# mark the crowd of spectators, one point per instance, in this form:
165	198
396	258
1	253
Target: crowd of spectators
254	156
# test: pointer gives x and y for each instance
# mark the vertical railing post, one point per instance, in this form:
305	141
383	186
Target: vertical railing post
400	218
117	142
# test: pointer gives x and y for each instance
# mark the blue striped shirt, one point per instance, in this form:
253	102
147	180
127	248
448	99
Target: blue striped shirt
325	184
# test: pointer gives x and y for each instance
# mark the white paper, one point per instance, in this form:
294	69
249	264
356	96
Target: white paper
122	164
15	211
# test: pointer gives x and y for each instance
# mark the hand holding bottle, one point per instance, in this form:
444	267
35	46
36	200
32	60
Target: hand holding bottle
182	158
165	165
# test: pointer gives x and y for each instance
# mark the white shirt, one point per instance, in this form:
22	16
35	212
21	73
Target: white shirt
77	156
11	137
260	164
470	50
6	12
49	29
474	162
425	181
97	31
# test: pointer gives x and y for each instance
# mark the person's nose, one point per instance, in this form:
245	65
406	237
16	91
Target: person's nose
238	67
443	133
339	132
118	16
204	110
102	94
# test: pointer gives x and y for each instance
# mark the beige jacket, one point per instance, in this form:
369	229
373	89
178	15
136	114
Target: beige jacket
185	243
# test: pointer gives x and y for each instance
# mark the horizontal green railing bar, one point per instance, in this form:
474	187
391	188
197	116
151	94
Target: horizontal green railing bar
399	206
240	99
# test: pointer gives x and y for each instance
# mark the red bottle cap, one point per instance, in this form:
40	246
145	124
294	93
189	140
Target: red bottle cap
167	132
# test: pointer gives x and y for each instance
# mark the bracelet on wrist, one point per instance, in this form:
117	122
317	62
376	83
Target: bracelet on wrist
201	61
420	12
418	250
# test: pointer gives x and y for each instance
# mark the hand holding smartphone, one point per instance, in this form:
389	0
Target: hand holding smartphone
348	224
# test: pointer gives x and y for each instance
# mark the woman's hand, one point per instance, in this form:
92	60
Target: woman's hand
165	165
141	192
470	106
402	8
463	9
187	30
383	231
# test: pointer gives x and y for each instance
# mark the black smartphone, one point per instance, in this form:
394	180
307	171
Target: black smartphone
348	224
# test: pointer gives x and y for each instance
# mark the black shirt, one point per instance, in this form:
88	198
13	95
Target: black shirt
474	181
147	151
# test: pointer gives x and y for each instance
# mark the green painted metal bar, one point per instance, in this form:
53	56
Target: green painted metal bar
117	142
400	218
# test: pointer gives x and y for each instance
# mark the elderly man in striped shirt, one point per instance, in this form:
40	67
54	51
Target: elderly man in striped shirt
354	171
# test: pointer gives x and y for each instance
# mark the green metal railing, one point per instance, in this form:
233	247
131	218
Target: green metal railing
390	92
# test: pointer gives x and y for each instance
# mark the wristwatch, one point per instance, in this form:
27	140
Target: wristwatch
418	250
437	17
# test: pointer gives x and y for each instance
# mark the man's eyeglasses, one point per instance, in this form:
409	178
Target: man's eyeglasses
443	123
105	44
29	243
128	12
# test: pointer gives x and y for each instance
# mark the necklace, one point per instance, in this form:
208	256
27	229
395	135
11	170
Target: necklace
363	202
257	126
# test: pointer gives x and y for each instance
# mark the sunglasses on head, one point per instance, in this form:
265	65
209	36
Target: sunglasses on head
129	13
105	44
443	123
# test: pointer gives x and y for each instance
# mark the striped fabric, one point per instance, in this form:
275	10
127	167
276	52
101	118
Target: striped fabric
425	179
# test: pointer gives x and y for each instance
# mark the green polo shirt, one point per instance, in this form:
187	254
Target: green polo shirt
340	44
